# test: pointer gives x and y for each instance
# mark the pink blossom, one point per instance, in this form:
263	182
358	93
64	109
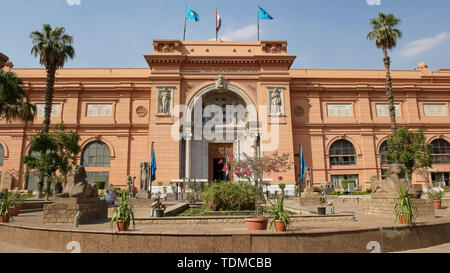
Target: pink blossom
280	178
220	161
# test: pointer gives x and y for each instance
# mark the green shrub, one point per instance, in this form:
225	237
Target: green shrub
345	183
229	196
100	184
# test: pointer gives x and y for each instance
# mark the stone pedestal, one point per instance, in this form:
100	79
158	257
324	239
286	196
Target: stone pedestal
310	198
142	203
64	210
142	194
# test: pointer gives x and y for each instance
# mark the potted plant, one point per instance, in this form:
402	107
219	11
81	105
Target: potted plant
322	210
165	193
404	208
280	215
17	201
190	198
253	169
436	196
5	207
123	214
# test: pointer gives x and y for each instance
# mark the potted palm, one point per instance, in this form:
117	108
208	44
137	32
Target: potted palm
190	198
165	193
436	196
17	201
123	214
5	207
404	208
280	215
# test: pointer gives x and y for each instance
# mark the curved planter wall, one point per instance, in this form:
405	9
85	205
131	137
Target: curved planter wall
242	242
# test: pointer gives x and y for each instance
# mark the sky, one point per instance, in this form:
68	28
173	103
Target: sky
323	34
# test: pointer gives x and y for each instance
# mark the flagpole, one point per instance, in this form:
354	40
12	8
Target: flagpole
184	34
258	22
216	27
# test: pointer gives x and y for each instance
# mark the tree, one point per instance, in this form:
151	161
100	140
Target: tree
13	99
410	149
51	153
386	35
54	48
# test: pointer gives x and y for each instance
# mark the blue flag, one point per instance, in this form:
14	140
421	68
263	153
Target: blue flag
302	164
190	14
264	14
153	166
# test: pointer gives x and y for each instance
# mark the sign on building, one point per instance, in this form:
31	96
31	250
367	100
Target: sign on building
435	110
339	110
99	110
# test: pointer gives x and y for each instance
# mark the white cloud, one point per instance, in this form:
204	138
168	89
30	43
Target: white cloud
73	2
419	46
374	2
246	33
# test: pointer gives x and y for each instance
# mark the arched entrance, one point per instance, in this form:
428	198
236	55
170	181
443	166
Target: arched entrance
220	121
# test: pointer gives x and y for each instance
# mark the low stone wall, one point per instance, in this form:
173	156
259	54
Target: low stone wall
205	220
345	241
64	210
425	209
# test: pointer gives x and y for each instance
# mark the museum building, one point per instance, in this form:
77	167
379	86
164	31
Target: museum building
338	117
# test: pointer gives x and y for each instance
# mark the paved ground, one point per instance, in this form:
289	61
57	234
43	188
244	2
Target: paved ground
362	221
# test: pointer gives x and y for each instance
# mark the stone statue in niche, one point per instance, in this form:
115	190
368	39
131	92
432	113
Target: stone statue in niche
164	101
221	82
276	102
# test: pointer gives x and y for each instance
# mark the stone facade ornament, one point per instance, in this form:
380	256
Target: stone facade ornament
166	46
141	111
165	95
276	100
221	82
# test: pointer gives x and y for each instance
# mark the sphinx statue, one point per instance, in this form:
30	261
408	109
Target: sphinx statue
78	186
390	186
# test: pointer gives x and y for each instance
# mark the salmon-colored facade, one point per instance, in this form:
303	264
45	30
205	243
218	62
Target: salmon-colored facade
339	117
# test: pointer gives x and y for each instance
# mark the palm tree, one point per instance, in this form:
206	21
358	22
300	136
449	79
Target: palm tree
54	48
386	35
13	99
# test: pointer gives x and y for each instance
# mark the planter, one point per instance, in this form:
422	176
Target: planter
256	223
188	202
123	226
279	226
437	204
4	218
165	198
403	220
322	210
15	211
159	213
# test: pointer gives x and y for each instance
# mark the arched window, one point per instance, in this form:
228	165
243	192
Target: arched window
342	152
383	150
440	151
2	155
95	157
95	154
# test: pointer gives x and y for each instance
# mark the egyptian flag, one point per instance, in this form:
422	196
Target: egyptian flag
218	22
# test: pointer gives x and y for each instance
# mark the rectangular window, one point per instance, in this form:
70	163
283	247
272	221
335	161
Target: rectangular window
98	176
337	179
56	110
383	110
99	110
342	160
339	110
435	110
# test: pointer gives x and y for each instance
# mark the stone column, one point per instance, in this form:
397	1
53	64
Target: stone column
188	158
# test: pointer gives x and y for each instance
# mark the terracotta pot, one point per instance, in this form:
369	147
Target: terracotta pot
15	211
4	218
164	198
122	227
437	204
256	223
279	226
403	220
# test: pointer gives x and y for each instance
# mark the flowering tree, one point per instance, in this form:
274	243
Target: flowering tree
253	168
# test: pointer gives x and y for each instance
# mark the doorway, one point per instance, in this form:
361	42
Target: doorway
217	157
